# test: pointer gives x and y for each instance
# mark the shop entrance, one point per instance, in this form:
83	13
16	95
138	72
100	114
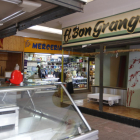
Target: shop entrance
114	92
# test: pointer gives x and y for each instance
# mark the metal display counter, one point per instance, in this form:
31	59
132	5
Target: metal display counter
79	82
42	114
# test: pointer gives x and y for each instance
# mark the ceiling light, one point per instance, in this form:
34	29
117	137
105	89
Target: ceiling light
14	15
42	53
86	1
46	29
83	46
59	55
13	1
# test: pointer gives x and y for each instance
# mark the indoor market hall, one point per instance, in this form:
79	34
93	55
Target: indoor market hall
69	70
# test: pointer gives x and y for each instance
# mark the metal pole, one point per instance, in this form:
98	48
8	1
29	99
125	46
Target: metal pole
88	84
101	79
62	74
77	109
4	96
31	99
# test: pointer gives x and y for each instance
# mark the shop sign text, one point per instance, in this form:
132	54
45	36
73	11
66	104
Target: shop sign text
100	27
46	46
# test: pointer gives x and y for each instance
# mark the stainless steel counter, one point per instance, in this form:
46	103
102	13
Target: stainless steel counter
48	107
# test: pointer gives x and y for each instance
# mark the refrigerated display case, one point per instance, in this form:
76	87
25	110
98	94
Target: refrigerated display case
41	113
79	82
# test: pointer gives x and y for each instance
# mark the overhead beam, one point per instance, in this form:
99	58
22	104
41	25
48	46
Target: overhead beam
76	5
8	31
52	14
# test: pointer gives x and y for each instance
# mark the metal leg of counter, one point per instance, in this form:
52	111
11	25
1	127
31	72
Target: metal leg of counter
4	96
30	99
93	135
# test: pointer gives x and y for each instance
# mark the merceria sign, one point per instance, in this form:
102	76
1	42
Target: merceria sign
124	23
42	45
46	46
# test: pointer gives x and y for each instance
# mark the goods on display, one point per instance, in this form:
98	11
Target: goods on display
92	72
51	67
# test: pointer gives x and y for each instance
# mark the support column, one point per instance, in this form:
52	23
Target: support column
62	74
101	79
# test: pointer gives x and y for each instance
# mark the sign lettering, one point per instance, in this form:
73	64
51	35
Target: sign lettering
122	24
47	47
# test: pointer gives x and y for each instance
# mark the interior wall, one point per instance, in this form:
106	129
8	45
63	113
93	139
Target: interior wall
13	43
107	68
8	62
114	68
133	82
13	59
3	61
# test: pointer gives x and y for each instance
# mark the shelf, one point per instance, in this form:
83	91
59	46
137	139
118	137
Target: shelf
54	62
45	61
77	62
35	61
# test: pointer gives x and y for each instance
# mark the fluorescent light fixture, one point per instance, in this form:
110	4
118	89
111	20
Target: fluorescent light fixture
83	46
42	53
14	15
86	1
59	55
83	0
13	1
46	29
66	55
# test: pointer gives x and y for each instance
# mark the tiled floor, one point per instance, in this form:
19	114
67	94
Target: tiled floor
110	130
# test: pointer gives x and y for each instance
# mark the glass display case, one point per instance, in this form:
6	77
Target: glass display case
40	112
79	82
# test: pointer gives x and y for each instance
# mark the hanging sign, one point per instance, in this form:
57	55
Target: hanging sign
122	26
42	46
1	43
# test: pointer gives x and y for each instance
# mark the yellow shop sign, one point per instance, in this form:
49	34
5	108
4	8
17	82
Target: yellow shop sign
42	46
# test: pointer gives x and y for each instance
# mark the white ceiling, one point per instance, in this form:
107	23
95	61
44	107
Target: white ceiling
40	35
